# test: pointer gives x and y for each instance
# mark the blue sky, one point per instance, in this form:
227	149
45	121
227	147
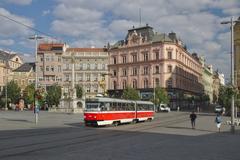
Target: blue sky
85	23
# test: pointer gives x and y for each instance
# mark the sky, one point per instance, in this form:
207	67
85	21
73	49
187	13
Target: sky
86	23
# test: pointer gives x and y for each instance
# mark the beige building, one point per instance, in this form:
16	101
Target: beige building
24	75
55	67
8	63
49	63
90	67
237	53
146	59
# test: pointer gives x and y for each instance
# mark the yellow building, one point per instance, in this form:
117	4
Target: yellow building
24	75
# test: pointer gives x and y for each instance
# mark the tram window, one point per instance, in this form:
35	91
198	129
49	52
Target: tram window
113	106
131	106
92	106
125	107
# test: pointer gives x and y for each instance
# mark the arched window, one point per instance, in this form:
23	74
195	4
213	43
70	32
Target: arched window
134	83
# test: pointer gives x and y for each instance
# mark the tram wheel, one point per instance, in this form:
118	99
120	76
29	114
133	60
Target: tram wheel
116	123
135	121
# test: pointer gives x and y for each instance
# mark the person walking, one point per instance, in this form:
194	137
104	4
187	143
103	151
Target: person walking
218	121
193	118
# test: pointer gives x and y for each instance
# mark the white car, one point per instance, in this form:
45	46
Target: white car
164	108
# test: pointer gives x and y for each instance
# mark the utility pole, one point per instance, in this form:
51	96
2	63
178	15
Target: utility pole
232	71
36	109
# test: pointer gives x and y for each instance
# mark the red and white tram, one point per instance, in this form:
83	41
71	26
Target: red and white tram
106	111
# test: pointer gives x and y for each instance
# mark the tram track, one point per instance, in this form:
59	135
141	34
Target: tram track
103	134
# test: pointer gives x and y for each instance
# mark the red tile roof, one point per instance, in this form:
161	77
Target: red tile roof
49	46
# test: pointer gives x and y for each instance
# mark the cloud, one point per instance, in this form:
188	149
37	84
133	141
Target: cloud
19	2
10	28
197	23
6	42
46	12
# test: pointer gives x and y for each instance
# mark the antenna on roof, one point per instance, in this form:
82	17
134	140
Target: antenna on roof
140	17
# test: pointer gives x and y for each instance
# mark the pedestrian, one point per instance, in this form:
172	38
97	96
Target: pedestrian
218	121
193	118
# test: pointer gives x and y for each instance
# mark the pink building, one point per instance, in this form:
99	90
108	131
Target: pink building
146	59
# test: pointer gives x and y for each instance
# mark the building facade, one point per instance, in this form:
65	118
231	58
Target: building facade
8	63
216	86
90	67
49	63
237	53
54	66
146	59
24	75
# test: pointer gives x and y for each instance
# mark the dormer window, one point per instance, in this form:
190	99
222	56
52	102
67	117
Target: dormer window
16	59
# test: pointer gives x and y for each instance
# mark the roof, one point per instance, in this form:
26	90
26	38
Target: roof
145	31
26	67
50	46
161	38
6	56
107	99
86	50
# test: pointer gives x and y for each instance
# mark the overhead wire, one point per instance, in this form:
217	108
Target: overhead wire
29	27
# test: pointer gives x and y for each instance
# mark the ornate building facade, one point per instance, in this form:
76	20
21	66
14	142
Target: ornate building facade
146	59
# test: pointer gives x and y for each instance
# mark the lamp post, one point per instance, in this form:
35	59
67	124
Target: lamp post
232	70
36	110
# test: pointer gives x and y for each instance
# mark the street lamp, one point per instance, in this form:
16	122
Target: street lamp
232	70
36	38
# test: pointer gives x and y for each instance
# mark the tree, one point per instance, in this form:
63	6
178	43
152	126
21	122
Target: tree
53	95
160	96
225	96
79	91
130	93
13	92
28	94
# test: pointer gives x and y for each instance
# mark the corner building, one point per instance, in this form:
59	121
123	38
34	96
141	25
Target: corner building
146	59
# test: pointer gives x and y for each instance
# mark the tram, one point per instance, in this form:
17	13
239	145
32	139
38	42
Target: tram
102	111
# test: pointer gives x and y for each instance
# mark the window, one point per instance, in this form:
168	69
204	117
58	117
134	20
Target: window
96	66
88	90
67	77
169	55
169	69
81	66
114	73
88	77
59	69
145	70
114	85
124	59
134	83
145	56
157	82
124	84
124	72
47	68
41	68
169	83
52	68
103	66
88	66
157	54
145	83
134	57
59	59
135	71
156	69
41	59
114	60
47	58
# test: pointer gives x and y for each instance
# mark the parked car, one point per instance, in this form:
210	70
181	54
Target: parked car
163	108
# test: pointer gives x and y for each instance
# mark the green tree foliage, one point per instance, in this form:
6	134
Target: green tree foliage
13	92
28	94
53	95
131	93
225	94
79	91
160	96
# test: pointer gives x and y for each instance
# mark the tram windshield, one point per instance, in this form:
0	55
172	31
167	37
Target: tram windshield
92	106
